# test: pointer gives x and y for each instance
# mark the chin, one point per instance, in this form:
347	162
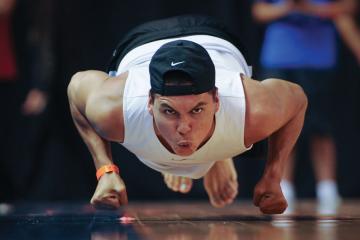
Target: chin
184	152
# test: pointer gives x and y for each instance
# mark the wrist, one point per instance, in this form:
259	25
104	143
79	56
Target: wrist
273	172
108	168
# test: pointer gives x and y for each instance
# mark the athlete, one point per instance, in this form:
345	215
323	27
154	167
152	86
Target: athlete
179	95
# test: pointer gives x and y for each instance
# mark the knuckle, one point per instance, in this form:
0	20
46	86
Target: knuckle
119	189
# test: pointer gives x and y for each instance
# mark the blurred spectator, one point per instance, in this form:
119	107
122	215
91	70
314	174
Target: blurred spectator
33	115
347	124
8	77
349	31
41	59
300	45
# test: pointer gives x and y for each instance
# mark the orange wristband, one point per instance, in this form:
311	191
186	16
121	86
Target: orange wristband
105	169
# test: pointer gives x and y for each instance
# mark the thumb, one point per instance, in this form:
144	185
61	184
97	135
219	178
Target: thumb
264	200
123	199
106	201
258	195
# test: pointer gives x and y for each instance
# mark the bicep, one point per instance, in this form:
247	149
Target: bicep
284	100
80	90
270	105
82	85
98	98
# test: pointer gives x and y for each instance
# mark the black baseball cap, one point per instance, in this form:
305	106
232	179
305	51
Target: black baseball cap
187	57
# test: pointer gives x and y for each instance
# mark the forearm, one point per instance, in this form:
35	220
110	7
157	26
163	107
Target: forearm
330	10
99	148
281	143
349	32
266	12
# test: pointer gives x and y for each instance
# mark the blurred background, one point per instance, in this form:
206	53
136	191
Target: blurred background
44	42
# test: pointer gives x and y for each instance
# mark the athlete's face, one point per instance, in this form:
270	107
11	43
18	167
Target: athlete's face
184	123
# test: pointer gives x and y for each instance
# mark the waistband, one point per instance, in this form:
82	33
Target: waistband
178	26
223	53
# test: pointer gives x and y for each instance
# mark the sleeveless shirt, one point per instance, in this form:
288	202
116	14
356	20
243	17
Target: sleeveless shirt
227	139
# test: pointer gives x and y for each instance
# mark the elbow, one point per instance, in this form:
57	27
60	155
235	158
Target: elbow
302	99
74	84
257	13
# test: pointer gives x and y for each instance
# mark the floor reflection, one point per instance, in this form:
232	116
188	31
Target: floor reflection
171	222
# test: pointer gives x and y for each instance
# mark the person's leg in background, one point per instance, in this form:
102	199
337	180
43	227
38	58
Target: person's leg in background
323	153
319	85
8	77
8	110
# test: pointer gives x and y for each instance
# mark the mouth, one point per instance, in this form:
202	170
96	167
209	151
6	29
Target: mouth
184	144
184	148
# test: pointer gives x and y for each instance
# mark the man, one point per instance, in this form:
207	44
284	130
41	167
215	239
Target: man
183	101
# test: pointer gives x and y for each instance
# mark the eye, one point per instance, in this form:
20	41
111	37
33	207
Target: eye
197	110
169	111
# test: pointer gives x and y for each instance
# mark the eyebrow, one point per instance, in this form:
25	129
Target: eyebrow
200	104
165	105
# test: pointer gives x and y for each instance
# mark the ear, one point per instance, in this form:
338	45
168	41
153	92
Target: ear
217	101
150	106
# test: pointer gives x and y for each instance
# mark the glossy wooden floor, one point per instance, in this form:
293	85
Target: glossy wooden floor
176	221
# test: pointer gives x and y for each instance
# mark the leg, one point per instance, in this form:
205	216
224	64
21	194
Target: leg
324	160
221	184
322	147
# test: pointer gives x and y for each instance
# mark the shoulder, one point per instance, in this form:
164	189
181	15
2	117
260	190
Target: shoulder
92	77
255	112
270	104
104	108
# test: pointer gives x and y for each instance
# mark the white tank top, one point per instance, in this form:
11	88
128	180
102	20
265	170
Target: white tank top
228	137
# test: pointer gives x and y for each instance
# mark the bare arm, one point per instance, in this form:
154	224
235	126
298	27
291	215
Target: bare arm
329	10
89	111
82	85
350	33
275	110
280	117
6	7
267	12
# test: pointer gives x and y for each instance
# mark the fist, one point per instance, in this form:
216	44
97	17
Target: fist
269	197
110	192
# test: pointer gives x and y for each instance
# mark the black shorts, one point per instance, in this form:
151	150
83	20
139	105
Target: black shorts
169	28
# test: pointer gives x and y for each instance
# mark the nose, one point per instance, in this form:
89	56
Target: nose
184	126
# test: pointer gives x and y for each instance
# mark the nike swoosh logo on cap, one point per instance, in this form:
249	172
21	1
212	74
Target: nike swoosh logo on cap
177	63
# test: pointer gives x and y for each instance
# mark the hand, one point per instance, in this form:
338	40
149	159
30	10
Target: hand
35	102
6	6
326	11
269	197
110	192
